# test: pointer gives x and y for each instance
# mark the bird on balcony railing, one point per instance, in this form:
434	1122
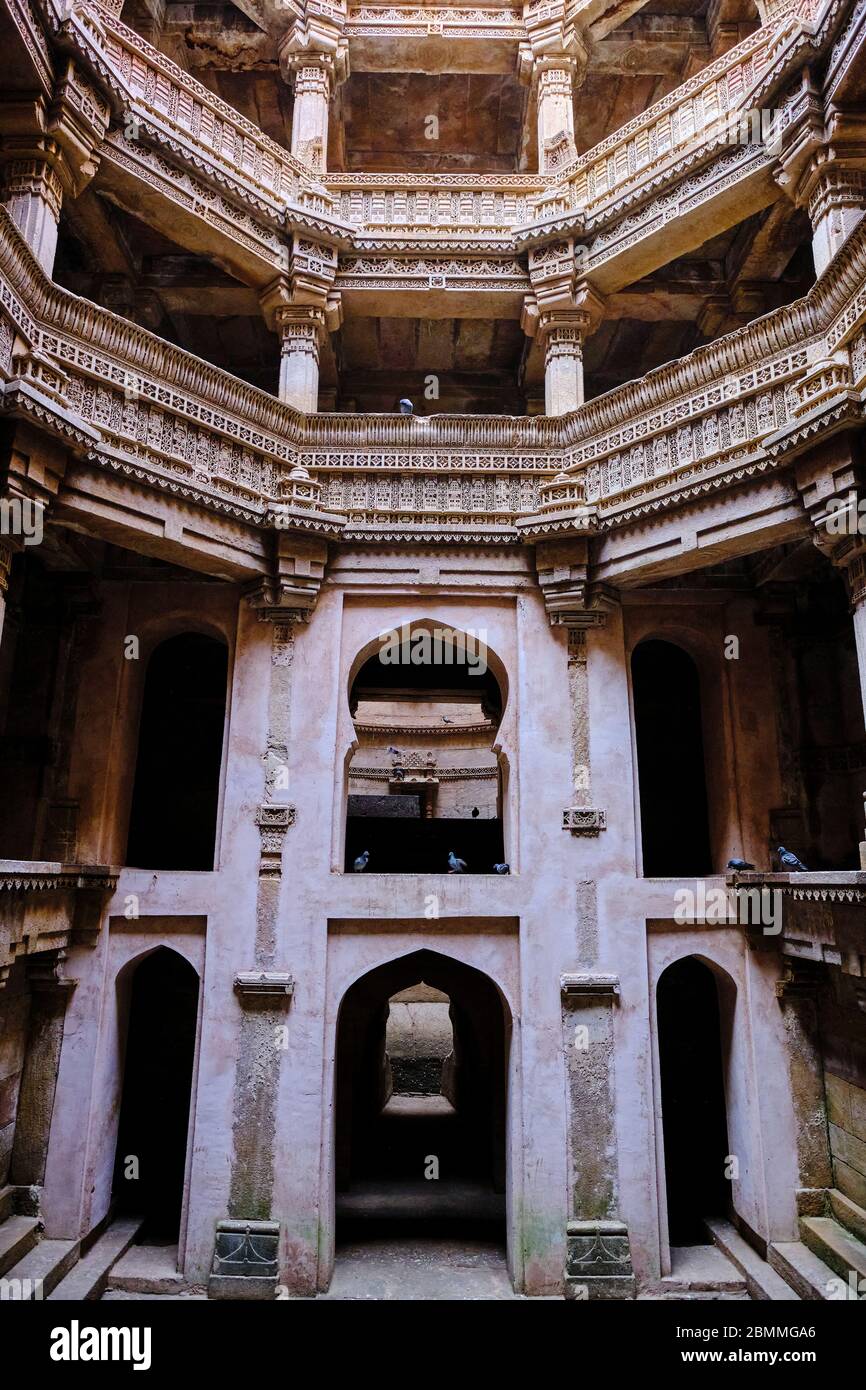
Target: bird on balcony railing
361	862
789	861
455	865
739	865
502	868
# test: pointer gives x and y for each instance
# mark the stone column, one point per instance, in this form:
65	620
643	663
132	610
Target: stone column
598	1259
555	95
33	194
50	996
798	998
50	148
247	1241
312	83
301	328
836	200
561	332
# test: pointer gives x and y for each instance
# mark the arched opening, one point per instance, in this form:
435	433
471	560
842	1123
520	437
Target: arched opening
175	797
150	1160
694	1113
421	1089
425	780
675	831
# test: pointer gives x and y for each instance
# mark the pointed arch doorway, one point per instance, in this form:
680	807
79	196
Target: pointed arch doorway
421	1147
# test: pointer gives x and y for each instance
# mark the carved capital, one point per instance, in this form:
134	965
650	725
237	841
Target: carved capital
273	821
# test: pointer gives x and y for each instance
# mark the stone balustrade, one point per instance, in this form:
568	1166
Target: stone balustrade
213	180
731	411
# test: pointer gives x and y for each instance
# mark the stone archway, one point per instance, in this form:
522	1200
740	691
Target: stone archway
384	1151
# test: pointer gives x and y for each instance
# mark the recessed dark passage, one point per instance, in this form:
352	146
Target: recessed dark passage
693	1100
421	1133
150	1158
176	792
675	832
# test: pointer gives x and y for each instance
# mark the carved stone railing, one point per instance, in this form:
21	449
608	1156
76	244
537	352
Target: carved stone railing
134	405
174	141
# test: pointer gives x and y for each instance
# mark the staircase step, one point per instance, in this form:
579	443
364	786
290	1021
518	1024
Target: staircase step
799	1267
848	1214
7	1202
762	1281
44	1267
147	1269
18	1235
702	1269
88	1279
834	1245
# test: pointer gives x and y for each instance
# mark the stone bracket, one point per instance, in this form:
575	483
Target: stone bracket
584	985
584	820
266	985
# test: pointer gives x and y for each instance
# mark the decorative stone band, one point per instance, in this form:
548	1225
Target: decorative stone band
584	820
245	1259
598	1260
273	822
272	986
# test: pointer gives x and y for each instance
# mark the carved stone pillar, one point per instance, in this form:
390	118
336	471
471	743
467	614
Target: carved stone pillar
598	1259
312	83
557	80
561	333
246	1247
301	328
836	201
50	996
33	193
797	994
49	150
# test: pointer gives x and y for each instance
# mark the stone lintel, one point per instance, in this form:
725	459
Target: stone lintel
582	985
264	984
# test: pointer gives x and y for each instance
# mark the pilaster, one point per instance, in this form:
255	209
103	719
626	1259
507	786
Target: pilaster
598	1259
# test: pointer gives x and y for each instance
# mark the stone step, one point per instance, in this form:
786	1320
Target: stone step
702	1269
44	1267
7	1202
762	1281
147	1269
18	1235
89	1277
834	1246
801	1268
848	1214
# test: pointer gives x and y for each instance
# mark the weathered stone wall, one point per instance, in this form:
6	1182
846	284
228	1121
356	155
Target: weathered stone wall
14	1016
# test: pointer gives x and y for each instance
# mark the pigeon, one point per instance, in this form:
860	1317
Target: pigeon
789	861
739	864
361	862
502	868
395	751
455	865
475	813
446	720
406	407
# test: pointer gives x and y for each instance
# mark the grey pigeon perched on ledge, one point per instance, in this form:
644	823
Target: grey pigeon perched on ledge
361	862
502	868
406	406
739	864
790	862
455	865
